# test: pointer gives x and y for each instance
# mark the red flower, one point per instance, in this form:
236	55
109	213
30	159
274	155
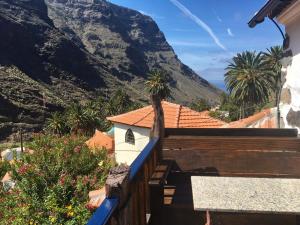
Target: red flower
77	149
23	169
62	179
89	207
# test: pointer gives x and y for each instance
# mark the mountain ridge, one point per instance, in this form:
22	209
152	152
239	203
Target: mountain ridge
59	51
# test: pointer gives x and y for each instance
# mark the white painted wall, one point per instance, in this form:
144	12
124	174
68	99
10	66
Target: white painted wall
291	65
125	152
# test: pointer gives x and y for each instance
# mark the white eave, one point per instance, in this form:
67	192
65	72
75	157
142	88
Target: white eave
290	14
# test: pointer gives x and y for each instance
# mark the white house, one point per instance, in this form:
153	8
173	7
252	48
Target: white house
132	129
287	13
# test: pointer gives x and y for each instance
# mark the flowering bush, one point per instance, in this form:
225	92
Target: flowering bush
52	184
4	167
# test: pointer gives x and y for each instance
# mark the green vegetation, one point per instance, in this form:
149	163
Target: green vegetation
81	119
252	80
4	167
157	84
53	182
200	105
248	80
272	58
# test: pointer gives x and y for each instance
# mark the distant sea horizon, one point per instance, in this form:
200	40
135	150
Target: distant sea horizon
219	84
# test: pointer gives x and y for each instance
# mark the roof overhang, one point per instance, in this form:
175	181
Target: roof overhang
271	9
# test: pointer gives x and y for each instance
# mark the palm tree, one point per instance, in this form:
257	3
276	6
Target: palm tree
119	103
248	80
272	60
77	119
158	90
57	124
157	84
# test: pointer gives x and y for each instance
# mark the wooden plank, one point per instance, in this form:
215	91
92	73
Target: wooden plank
237	163
156	204
216	143
134	204
146	186
231	132
141	201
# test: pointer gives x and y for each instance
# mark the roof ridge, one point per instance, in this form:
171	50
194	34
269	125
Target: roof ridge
130	112
178	116
147	114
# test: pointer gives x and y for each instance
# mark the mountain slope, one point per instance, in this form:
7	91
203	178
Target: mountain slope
58	51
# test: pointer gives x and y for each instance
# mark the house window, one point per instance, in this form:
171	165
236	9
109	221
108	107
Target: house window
129	137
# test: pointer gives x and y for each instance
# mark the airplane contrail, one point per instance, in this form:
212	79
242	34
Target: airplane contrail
199	22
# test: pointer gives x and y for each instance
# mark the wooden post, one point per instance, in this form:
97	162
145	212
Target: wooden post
297	219
158	128
156	202
117	186
21	139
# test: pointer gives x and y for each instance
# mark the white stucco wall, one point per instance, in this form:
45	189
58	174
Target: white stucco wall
291	65
125	152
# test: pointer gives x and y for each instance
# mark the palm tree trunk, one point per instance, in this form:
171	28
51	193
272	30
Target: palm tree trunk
158	125
158	128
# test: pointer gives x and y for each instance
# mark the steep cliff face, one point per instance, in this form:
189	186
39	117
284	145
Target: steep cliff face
128	43
58	51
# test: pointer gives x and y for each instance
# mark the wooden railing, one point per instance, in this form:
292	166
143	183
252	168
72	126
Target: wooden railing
234	152
133	207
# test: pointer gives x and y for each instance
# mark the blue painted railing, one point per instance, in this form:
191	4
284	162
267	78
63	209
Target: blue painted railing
146	160
105	211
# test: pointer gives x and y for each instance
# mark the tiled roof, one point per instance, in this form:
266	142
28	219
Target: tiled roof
100	140
176	116
251	120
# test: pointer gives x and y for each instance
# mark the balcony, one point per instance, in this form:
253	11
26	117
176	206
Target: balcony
157	189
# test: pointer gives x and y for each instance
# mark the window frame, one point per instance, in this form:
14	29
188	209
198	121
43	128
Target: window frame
129	137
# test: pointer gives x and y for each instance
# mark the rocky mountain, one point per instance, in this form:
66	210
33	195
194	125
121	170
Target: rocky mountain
54	52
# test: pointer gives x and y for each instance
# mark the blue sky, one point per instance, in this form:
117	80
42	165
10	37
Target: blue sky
206	34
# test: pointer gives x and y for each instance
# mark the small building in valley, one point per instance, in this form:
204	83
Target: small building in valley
132	129
101	140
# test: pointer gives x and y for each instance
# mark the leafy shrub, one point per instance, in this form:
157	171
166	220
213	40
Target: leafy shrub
4	167
200	105
84	119
52	184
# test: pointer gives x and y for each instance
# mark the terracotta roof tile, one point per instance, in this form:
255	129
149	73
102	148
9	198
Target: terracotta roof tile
176	116
249	120
100	140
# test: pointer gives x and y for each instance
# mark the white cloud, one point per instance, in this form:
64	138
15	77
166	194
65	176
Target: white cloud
152	15
199	22
229	32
